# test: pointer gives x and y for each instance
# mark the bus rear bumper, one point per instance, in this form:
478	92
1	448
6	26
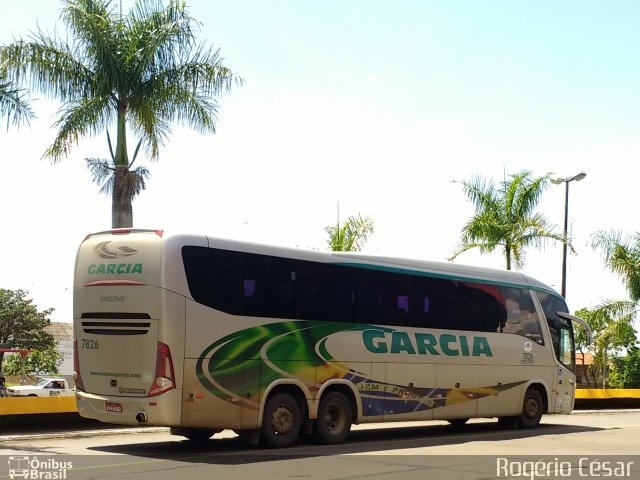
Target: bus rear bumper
163	410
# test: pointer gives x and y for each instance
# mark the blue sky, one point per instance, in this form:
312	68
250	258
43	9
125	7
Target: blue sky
376	105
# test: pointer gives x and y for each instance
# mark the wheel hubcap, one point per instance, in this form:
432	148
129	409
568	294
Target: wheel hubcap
281	420
531	408
333	419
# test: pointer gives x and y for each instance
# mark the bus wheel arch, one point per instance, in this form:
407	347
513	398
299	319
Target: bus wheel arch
336	413
534	405
284	412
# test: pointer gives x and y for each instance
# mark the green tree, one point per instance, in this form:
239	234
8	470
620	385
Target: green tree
505	217
14	105
612	330
351	235
38	362
621	256
21	324
145	70
626	370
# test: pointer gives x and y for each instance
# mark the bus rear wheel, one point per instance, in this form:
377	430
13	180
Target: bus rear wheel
532	409
281	421
334	420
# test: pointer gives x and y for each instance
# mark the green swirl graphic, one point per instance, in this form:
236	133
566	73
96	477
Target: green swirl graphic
240	366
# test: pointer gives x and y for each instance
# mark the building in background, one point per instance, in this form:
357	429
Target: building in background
63	335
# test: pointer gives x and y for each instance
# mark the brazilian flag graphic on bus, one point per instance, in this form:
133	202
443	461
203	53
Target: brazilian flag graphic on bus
240	366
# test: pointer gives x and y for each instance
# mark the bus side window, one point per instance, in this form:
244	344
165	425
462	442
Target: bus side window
269	286
384	297
481	307
434	302
226	281
214	277
327	292
197	268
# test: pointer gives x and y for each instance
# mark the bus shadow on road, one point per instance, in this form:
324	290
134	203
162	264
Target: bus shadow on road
232	451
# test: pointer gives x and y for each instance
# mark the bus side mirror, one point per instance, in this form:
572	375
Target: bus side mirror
579	321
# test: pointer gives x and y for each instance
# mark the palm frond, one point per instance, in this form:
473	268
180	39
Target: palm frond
504	216
621	256
102	173
14	105
78	118
484	247
50	66
351	236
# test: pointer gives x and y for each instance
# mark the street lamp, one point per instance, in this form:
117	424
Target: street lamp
566	181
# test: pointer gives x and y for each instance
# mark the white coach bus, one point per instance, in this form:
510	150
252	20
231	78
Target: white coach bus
203	334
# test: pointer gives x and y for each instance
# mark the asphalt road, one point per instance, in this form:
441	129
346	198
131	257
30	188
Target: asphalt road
582	445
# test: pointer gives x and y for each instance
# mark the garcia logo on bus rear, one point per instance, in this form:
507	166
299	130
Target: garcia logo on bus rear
113	268
103	250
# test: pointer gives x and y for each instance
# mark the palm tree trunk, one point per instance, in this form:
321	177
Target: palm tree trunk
121	209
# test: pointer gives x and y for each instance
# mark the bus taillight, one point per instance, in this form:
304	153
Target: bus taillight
77	378
164	379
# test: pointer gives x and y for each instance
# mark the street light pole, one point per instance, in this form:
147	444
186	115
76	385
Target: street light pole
566	181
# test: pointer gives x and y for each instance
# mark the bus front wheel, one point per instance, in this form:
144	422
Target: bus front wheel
457	422
532	409
281	421
334	419
194	434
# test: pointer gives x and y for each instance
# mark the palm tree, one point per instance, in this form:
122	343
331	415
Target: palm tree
505	217
13	104
621	256
612	328
104	172
351	236
144	70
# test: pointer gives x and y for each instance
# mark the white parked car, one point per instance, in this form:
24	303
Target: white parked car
45	387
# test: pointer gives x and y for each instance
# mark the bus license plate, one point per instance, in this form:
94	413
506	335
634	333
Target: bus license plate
113	407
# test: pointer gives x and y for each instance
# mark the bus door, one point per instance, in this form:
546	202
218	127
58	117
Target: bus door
565	378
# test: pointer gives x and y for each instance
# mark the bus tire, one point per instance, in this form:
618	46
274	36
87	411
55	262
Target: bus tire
335	416
457	422
197	435
194	434
532	409
508	422
281	421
